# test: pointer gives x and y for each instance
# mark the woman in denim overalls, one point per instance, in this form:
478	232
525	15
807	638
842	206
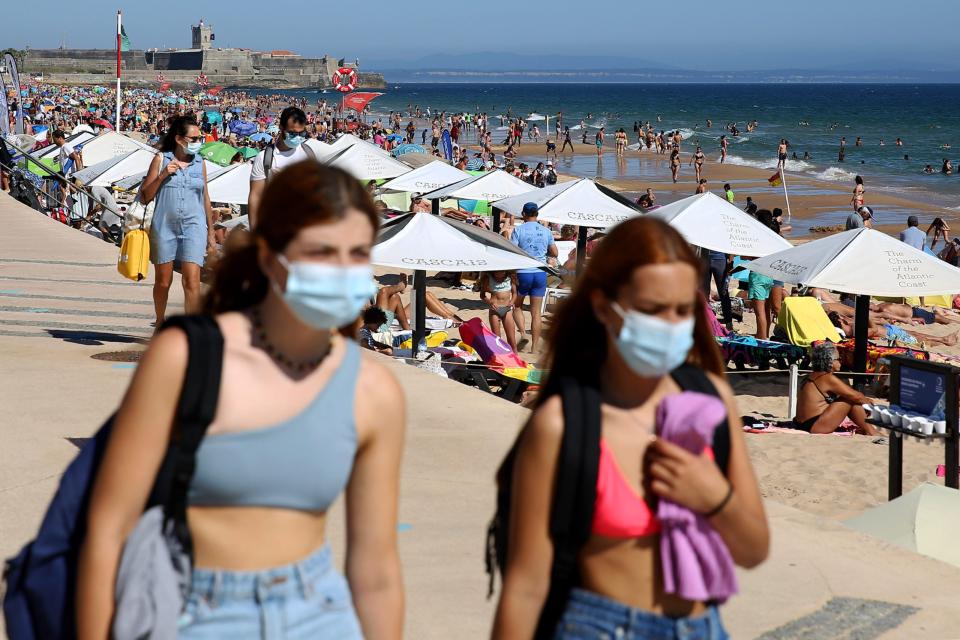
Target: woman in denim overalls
182	224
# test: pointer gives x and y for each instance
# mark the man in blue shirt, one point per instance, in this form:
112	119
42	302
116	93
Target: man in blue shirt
537	241
912	235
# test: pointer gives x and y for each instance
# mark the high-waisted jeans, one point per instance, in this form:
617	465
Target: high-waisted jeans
590	616
307	599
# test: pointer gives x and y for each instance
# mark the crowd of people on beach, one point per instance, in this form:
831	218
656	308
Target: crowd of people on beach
304	416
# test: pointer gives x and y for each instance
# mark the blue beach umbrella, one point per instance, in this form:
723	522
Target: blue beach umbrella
475	164
261	137
407	148
395	137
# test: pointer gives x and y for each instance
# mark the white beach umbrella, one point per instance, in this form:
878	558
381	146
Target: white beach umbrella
109	145
428	177
321	149
490	186
707	220
75	140
82	128
427	242
106	172
861	262
535	117
367	162
231	184
582	202
344	141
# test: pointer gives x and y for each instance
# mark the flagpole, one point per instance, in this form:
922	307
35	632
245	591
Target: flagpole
785	196
119	27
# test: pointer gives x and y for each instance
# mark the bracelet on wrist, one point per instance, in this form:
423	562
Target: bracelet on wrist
723	503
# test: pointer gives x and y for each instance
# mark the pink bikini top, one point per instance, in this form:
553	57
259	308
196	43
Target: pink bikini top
619	511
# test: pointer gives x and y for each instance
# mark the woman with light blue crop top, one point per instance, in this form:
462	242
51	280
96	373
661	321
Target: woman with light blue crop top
302	418
182	225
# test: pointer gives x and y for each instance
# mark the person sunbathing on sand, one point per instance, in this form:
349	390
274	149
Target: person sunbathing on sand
388	299
893	333
916	315
825	401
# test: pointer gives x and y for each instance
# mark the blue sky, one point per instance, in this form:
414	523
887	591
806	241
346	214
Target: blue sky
693	34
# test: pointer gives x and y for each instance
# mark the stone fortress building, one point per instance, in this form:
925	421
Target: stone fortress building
180	67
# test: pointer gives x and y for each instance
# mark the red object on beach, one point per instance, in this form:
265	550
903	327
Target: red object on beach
202	80
359	101
161	78
102	123
217	89
164	86
345	79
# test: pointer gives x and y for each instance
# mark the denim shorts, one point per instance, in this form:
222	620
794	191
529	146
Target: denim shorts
590	616
532	284
307	599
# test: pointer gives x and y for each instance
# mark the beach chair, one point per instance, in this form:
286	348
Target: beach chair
804	321
553	295
748	350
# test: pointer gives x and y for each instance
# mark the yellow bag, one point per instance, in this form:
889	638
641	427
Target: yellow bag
134	260
435	339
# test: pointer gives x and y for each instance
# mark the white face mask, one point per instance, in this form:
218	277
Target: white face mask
326	296
651	346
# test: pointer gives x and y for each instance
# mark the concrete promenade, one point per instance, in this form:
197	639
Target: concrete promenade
62	301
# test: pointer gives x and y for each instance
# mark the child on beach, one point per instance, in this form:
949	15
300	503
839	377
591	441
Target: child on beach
498	289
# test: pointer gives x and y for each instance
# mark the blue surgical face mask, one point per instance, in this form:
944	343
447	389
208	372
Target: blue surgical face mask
326	296
294	140
193	148
651	346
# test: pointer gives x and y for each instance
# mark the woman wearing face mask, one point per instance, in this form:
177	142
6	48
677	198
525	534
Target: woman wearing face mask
182	226
292	431
634	318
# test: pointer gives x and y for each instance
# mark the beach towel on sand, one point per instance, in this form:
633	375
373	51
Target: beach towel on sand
804	321
696	563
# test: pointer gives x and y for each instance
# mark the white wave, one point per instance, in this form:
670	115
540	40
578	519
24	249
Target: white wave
792	165
833	174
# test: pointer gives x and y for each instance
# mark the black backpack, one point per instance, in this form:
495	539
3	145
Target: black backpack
571	516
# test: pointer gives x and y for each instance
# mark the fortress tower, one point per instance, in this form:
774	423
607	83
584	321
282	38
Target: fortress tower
202	35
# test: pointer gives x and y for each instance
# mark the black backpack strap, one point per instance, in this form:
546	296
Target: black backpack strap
268	161
196	409
571	516
692	378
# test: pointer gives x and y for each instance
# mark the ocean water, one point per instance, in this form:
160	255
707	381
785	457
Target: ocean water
812	117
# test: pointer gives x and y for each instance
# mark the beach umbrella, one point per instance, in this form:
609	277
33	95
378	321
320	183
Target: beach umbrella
248	152
923	521
582	202
346	140
426	178
218	152
274	129
110	145
80	128
475	164
709	221
395	137
261	136
490	186
213	117
404	149
110	170
242	128
425	242
535	117
366	162
862	262
230	184
100	122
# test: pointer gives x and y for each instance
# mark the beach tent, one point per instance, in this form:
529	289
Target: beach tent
366	162
230	184
426	178
218	152
863	262
108	171
924	521
426	242
709	221
582	202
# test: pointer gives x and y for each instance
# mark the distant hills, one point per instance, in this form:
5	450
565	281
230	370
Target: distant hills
491	67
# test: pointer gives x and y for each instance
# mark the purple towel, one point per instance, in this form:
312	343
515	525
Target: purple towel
696	563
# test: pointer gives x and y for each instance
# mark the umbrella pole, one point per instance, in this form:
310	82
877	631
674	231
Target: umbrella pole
496	220
860	331
581	248
420	310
